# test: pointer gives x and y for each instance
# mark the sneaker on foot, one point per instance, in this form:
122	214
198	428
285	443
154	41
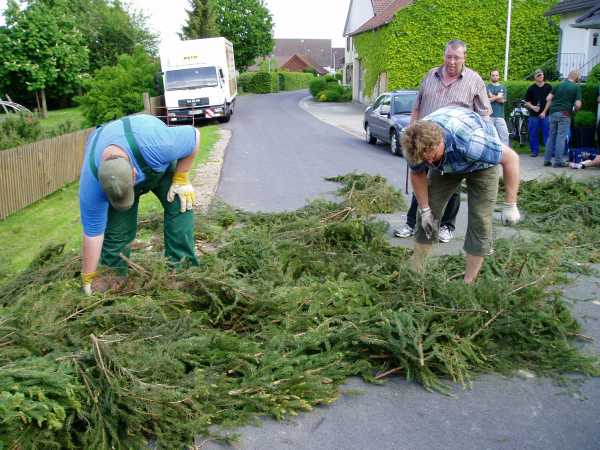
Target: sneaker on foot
574	165
560	164
405	231
445	235
547	163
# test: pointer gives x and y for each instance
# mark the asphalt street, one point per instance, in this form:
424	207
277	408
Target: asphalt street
276	160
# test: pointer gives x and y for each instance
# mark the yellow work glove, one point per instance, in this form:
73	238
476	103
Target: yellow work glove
182	187
86	280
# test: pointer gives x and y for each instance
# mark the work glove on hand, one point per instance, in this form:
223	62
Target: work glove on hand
181	186
510	214
428	222
86	281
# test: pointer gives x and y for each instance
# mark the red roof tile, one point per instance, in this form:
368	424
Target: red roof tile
380	5
383	18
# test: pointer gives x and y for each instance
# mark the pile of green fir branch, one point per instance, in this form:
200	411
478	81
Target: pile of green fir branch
283	308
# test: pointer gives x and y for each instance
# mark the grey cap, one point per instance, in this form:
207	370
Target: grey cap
537	72
116	178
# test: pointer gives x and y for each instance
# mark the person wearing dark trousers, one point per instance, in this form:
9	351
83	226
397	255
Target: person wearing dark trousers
535	101
451	84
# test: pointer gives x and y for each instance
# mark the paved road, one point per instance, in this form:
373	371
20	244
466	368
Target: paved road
275	161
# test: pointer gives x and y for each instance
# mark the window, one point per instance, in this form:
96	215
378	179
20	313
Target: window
191	78
348	43
595	40
378	101
403	103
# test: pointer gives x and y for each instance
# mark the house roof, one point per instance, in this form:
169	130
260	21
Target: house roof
306	61
380	5
590	19
567	6
318	50
383	18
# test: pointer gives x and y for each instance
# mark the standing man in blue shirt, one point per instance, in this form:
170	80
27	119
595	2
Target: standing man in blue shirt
456	144
125	159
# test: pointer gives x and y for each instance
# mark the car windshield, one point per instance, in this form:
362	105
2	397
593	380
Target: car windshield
191	78
403	103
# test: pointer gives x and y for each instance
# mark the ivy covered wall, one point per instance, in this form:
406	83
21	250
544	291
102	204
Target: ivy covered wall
414	41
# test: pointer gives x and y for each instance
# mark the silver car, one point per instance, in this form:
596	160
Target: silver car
385	119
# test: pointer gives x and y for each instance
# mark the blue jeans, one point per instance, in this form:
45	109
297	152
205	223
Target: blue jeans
560	123
534	124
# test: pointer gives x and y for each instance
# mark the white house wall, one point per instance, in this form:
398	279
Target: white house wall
576	45
358	13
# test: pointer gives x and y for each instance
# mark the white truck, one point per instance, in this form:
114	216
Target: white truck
199	79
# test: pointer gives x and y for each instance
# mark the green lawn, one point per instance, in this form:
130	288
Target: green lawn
60	116
55	219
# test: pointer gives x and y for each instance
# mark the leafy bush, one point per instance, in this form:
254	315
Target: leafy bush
261	83
317	85
244	81
594	75
266	82
19	129
116	91
335	93
584	119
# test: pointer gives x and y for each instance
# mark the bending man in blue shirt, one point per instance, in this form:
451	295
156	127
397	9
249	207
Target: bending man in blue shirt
456	144
123	160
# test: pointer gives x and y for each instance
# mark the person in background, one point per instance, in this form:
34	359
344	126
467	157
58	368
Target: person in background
565	99
452	83
535	101
497	94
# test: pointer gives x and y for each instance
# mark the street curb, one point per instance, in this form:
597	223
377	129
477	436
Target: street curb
207	176
303	103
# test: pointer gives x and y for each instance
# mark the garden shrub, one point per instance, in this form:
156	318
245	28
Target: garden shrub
594	75
317	85
244	81
116	91
20	129
584	119
335	93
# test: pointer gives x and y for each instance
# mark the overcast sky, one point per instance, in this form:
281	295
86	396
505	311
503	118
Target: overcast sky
308	19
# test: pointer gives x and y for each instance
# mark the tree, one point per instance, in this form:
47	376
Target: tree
201	22
112	29
42	47
246	23
116	91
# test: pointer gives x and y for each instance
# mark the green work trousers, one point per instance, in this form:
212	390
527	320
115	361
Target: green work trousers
482	190
122	226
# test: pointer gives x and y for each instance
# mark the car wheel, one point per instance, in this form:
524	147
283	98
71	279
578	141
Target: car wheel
395	143
369	136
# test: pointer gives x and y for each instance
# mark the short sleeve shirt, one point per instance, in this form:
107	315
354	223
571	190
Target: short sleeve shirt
497	107
536	95
158	144
565	96
470	142
468	91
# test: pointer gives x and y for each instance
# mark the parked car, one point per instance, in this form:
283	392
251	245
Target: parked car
387	117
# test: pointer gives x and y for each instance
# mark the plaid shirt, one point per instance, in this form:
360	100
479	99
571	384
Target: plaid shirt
471	143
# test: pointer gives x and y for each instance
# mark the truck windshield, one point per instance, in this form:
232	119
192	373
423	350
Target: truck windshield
191	78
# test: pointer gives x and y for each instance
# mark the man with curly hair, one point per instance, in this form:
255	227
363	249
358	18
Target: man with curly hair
454	144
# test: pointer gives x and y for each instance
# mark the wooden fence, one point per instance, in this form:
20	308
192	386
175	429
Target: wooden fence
30	172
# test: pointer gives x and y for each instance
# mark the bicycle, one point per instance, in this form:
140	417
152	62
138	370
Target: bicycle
517	123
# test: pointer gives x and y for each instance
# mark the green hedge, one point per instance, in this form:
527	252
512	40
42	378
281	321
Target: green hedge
267	82
414	41
293	81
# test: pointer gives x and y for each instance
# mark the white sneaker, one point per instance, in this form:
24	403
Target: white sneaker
576	165
405	231
445	235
